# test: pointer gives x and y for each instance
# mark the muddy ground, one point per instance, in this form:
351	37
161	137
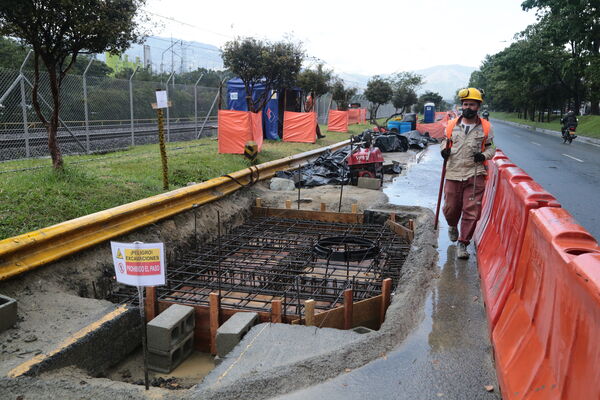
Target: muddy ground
59	299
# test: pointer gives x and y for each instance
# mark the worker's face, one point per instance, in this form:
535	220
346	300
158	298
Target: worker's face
472	104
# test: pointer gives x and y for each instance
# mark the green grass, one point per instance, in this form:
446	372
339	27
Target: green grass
589	125
38	196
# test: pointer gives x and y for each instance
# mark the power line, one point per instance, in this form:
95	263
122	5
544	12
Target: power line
190	25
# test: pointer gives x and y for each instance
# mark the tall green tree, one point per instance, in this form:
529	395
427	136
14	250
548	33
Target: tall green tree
341	94
405	86
379	91
12	53
254	61
316	81
58	31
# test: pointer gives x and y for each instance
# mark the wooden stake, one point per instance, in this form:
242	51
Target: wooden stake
354	208
288	204
258	202
323	207
386	290
276	311
163	149
215	306
309	312
393	217
348	311
150	303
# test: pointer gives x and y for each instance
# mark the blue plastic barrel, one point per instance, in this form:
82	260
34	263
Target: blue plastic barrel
395	124
405	127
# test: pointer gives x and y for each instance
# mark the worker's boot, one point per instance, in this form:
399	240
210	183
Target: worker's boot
462	252
453	233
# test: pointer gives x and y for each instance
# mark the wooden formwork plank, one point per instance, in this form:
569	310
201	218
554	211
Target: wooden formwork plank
312	215
400	230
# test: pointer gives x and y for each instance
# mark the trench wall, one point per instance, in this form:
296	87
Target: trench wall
540	278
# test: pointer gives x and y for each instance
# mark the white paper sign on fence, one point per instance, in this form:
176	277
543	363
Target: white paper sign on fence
161	99
139	264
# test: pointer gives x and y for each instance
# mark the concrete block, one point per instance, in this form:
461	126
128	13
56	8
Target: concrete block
282	184
167	361
369	183
231	332
8	312
170	327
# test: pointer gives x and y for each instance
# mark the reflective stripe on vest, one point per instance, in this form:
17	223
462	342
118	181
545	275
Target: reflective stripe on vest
485	124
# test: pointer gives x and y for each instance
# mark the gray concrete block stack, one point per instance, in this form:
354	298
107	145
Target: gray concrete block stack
170	338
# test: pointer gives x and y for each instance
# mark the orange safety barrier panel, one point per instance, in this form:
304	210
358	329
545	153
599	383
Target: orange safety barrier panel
436	130
363	115
546	340
338	121
236	128
353	116
299	127
488	197
499	249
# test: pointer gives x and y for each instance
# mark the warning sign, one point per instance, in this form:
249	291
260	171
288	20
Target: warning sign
139	264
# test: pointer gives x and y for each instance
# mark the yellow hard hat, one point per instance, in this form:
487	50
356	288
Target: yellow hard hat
471	94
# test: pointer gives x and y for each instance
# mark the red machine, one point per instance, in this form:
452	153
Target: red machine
367	161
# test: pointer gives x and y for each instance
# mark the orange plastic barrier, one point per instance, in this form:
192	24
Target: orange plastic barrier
488	198
546	340
436	130
500	247
236	128
300	127
338	121
363	115
353	116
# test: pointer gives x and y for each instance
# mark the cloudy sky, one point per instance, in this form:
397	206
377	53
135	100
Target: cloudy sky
366	37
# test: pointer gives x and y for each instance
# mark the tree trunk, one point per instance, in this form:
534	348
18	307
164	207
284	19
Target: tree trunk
52	128
595	100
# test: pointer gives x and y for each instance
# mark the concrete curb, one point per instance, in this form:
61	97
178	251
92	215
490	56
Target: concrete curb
580	138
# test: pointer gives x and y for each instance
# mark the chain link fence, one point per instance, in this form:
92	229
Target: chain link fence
98	114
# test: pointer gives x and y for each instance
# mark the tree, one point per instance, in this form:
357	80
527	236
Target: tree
341	94
315	81
12	53
379	91
276	65
429	97
405	85
58	31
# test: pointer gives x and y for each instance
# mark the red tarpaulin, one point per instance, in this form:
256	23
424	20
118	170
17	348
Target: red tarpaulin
353	116
437	129
338	121
363	116
300	127
236	128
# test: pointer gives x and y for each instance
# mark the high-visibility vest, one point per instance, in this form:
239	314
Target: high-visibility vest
485	124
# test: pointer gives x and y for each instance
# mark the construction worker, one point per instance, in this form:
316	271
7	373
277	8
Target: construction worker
309	105
468	143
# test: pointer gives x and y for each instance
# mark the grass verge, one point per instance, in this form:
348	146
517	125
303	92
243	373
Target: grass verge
33	195
589	125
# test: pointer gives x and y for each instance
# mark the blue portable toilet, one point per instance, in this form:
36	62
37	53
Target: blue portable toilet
429	113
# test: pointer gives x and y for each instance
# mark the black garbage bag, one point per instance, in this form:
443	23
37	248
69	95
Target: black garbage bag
328	169
416	140
387	143
394	168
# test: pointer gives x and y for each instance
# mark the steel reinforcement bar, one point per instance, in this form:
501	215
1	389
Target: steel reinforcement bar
25	252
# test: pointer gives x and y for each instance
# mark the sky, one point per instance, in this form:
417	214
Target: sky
366	37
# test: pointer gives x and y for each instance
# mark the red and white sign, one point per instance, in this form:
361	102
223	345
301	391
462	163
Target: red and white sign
139	264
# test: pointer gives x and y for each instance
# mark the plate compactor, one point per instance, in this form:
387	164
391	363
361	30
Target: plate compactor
365	161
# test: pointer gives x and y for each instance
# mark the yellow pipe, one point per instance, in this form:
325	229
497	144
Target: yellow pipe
31	250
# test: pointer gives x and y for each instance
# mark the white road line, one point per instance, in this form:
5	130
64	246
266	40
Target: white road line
594	144
537	144
574	158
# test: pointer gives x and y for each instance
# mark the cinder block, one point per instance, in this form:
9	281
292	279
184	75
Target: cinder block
170	327
369	183
167	361
231	332
8	312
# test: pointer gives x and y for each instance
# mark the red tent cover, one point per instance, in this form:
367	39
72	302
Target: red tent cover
338	121
300	127
236	128
353	116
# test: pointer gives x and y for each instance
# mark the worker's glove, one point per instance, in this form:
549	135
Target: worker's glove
445	153
478	157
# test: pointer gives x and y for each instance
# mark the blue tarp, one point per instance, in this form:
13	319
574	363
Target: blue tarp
236	100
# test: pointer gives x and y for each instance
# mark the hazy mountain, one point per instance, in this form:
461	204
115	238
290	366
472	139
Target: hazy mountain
445	79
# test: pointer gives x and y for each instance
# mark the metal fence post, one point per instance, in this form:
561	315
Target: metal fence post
131	103
85	107
25	127
196	105
168	108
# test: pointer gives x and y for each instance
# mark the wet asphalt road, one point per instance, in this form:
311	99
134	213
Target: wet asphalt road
448	356
571	173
